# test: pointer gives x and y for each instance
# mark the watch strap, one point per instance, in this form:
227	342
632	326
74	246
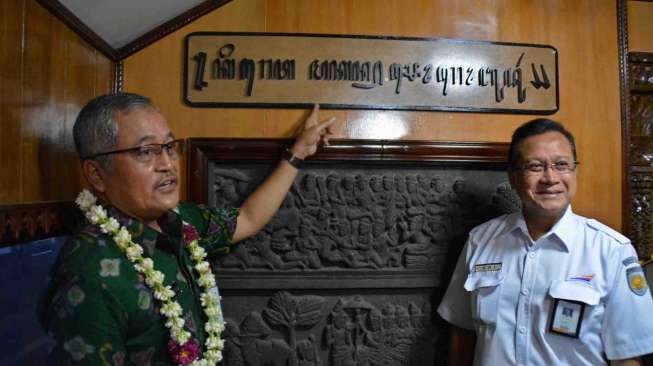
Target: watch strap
292	159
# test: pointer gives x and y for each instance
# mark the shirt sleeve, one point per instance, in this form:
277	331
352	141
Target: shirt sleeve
220	226
86	326
628	322
455	307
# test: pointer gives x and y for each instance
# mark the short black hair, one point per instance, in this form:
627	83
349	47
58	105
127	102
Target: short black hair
535	127
95	128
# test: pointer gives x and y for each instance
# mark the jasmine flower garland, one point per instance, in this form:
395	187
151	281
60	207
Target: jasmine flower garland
182	348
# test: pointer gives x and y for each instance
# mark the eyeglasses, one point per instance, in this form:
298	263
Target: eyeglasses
147	153
562	167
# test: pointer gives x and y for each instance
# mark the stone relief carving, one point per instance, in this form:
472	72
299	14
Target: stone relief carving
359	333
354	332
334	220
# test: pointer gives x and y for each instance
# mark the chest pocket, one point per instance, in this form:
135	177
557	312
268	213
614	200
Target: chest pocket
485	290
575	291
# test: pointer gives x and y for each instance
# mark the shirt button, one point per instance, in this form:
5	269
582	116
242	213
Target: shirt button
531	254
524	291
522	330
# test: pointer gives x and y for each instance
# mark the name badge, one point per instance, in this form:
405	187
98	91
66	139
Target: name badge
567	317
488	267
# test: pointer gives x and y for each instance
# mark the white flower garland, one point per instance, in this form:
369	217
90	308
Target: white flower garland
170	308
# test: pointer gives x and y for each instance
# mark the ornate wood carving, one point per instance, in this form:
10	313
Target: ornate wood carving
641	210
119	76
28	222
641	72
640	155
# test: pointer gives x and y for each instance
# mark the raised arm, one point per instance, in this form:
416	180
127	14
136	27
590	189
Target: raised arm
264	202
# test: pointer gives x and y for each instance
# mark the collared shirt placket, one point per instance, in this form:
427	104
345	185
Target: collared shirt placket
524	313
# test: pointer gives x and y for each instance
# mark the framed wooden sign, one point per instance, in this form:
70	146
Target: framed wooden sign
366	72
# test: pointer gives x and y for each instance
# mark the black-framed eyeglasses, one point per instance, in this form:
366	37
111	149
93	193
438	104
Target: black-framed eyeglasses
147	153
537	167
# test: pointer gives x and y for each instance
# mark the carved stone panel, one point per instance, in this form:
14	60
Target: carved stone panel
341	330
353	219
352	267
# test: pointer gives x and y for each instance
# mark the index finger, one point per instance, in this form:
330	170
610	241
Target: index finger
311	120
325	124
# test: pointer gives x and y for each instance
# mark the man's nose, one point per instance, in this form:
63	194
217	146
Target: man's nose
550	175
164	161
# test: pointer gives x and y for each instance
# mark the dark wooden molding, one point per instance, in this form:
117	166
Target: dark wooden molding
201	151
169	27
119	76
447	152
27	222
73	22
622	32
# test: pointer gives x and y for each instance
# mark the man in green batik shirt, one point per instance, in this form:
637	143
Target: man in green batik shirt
99	309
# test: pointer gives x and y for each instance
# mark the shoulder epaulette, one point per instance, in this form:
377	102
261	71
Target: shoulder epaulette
614	234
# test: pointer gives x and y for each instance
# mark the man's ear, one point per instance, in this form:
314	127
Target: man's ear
94	175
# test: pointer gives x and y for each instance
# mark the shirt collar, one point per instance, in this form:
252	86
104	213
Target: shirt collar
564	230
170	224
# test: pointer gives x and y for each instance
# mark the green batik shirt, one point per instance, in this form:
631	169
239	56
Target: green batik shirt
98	308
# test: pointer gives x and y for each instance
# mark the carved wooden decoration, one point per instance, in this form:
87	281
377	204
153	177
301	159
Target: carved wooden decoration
368	72
28	222
640	170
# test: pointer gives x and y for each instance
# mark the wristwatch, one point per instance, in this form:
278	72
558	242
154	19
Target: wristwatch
293	159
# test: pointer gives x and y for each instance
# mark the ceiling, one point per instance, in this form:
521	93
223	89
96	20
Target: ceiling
119	22
119	28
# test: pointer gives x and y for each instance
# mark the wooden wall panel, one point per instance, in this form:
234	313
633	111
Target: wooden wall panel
583	31
48	73
10	95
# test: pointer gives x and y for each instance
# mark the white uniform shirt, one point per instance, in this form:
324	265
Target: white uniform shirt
504	287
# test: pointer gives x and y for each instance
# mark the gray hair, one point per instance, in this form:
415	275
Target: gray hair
95	130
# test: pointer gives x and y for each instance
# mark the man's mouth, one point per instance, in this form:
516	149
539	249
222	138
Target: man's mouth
549	193
166	183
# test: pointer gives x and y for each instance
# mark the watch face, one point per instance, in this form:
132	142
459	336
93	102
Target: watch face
292	159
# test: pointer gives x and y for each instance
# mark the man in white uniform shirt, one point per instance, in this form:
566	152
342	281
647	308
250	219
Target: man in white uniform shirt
545	286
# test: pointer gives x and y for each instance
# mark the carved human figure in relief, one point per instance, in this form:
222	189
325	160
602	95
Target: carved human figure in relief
367	255
338	336
309	193
309	247
385	246
334	196
268	258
